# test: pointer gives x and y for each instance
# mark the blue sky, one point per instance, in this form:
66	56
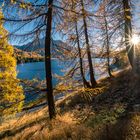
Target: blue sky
57	36
137	16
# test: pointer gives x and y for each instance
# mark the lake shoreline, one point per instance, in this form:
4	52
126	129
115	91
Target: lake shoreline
33	61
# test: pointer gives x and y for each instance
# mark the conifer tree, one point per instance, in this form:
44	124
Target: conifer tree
11	93
128	30
88	48
106	28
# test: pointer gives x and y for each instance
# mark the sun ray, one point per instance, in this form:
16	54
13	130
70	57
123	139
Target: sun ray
135	40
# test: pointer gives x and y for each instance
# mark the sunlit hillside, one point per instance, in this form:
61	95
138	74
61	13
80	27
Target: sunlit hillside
107	112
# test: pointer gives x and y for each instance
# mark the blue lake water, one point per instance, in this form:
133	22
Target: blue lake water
35	70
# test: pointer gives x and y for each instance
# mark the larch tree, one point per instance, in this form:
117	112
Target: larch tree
104	22
128	31
75	20
50	98
11	93
85	82
38	16
123	10
88	48
83	17
69	27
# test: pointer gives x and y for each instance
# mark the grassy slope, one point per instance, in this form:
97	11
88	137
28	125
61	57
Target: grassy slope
108	112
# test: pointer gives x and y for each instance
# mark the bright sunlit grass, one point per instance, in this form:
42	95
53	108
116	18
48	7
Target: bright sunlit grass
135	40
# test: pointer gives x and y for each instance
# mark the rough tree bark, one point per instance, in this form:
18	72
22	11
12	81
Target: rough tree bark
128	31
85	83
91	71
50	98
107	46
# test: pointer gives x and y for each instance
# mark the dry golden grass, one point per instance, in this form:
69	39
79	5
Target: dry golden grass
65	127
25	119
62	128
80	119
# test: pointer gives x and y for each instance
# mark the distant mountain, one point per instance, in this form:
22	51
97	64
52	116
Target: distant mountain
38	47
58	49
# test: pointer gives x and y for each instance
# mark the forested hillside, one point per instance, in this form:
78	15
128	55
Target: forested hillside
24	57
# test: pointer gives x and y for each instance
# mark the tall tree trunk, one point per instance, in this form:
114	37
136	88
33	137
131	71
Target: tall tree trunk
85	83
108	46
128	31
50	98
91	71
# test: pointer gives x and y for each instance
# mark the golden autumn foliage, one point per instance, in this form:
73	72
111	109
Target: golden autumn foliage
11	93
22	5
